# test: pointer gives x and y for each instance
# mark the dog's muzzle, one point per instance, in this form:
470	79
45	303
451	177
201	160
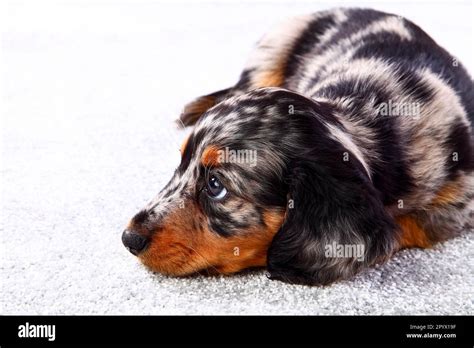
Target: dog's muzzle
134	242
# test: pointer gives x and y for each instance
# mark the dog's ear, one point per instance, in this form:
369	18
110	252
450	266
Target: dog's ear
334	210
194	110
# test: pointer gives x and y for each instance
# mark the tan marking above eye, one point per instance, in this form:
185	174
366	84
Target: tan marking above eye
210	156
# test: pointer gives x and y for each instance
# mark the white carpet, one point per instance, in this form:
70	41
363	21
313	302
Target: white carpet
89	93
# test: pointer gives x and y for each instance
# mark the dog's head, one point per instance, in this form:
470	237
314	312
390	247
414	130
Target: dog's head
266	178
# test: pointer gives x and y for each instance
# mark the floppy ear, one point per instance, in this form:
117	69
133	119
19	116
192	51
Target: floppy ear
332	203
194	110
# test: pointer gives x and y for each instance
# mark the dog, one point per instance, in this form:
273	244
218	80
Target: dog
360	127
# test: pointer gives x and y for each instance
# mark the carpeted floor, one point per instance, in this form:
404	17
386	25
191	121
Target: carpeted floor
89	95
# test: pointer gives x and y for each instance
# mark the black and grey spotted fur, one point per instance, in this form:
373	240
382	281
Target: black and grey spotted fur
324	144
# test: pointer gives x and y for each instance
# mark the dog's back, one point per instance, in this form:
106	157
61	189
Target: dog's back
408	106
406	103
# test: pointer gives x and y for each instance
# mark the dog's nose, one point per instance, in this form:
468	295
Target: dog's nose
134	242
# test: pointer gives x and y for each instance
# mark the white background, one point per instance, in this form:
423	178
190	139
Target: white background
89	90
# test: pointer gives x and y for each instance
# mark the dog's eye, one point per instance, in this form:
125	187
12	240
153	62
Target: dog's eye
215	189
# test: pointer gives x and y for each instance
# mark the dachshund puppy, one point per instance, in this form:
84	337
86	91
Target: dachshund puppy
349	130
